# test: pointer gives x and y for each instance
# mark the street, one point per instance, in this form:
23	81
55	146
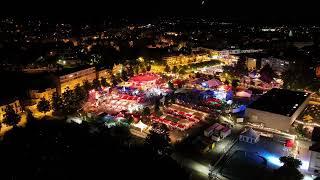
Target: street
198	163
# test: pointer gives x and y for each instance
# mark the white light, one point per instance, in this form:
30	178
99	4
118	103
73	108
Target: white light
307	177
305	165
199	167
141	126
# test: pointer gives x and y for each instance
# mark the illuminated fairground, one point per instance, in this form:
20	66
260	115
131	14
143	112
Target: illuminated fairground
179	117
131	96
143	81
112	102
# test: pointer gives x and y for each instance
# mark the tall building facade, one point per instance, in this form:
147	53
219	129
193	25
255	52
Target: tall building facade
70	80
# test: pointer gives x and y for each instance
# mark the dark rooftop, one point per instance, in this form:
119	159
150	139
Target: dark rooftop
280	101
316	134
315	147
65	71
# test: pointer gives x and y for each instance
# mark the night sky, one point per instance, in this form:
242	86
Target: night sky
269	11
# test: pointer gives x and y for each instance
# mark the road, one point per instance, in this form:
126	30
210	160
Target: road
198	164
199	170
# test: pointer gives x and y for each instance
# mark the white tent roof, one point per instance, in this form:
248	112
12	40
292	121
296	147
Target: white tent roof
140	125
244	93
213	83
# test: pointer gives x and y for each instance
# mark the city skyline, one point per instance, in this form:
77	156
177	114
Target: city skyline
219	93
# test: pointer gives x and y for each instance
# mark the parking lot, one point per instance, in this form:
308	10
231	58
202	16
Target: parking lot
266	149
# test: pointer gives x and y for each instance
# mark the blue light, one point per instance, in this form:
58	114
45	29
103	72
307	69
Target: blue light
274	160
271	158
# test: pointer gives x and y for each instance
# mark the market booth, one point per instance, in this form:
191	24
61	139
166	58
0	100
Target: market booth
249	136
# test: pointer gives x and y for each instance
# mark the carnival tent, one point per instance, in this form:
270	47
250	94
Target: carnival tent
211	83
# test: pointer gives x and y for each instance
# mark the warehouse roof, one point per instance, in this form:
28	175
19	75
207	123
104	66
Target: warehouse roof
280	101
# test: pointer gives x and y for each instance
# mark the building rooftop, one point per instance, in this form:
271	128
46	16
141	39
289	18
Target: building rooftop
316	134
280	101
315	147
66	71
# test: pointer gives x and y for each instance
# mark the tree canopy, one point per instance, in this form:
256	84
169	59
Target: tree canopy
267	74
60	150
146	111
43	105
56	103
11	118
158	140
289	170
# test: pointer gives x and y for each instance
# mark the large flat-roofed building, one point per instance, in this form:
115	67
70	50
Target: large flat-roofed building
182	60
71	79
277	108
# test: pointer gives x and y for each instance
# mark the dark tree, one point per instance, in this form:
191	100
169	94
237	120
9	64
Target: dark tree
167	69
114	80
300	76
148	67
30	117
174	69
80	94
289	170
136	69
124	75
56	149
166	100
70	104
96	84
267	74
87	86
11	118
43	106
130	71
146	111
234	84
170	85
157	105
121	134
56	102
104	82
158	140
130	119
240	67
182	71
